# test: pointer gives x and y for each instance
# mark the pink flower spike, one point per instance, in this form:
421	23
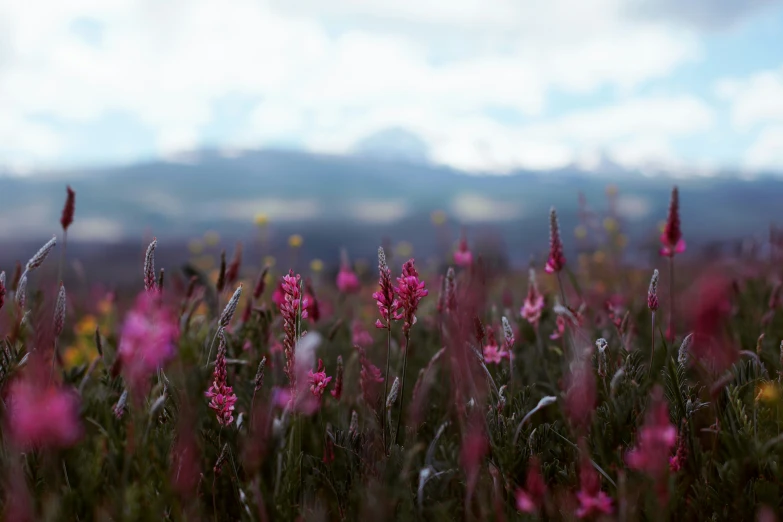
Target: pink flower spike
347	280
388	306
42	417
556	260
222	396
592	501
411	291
463	257
671	238
534	302
531	499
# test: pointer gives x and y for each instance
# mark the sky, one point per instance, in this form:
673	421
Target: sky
692	87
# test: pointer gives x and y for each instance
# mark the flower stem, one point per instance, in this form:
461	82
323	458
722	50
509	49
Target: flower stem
386	382
402	384
671	298
652	347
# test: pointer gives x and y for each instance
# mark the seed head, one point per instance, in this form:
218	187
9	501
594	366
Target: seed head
652	292
685	347
21	293
259	379
149	266
395	390
556	260
39	257
59	312
231	307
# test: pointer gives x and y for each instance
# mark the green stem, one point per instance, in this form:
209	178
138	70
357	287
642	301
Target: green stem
671	298
652	347
402	384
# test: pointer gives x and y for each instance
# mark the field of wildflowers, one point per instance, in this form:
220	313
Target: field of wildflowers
584	390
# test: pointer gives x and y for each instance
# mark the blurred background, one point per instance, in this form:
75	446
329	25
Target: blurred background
299	127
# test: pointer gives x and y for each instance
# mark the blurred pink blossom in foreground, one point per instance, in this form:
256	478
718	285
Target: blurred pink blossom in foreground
42	416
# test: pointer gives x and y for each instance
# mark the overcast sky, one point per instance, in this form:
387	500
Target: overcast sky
693	86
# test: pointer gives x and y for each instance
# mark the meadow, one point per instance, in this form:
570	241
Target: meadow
580	387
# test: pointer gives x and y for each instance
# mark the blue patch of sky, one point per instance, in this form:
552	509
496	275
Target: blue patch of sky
114	137
89	30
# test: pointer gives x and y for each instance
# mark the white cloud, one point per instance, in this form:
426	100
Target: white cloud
274	209
754	100
379	211
96	229
470	208
767	151
328	74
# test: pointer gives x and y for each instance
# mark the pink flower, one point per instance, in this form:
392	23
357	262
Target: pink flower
492	352
148	340
347	281
652	292
293	308
463	256
222	396
556	260
654	443
531	499
534	302
388	305
360	336
318	380
560	324
369	378
42	416
592	500
671	238
411	291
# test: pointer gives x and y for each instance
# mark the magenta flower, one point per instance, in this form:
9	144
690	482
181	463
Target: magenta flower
652	292
556	260
222	397
560	324
463	257
411	291
671	238
388	306
347	280
359	335
293	307
592	501
318	380
148	340
492	352
654	443
41	416
534	302
531	499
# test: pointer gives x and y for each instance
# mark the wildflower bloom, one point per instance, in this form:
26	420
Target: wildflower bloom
59	312
385	299
655	440
492	352
292	307
709	315
70	204
318	380
221	395
556	260
347	280
359	335
534	301
677	461
671	238
147	341
531	499
411	291
42	416
652	292
560	325
592	501
463	256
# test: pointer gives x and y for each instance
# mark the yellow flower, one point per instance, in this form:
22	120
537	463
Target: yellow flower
316	265
438	217
196	246
211	238
105	306
86	325
598	257
768	392
295	241
269	261
610	224
403	249
261	219
580	232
